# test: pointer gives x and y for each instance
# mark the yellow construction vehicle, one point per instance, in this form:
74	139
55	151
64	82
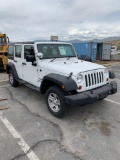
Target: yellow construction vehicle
3	50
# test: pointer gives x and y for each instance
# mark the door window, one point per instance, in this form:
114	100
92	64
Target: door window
3	41
28	50
18	51
11	52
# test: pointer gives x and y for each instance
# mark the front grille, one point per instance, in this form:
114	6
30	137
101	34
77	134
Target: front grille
94	78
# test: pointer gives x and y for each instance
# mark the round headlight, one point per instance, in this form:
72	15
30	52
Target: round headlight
105	72
79	78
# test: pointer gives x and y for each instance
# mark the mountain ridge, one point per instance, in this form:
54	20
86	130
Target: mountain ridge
108	39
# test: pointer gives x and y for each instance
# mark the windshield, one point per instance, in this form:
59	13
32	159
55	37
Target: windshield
3	41
56	50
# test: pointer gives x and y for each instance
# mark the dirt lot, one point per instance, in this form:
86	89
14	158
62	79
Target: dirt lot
29	132
114	62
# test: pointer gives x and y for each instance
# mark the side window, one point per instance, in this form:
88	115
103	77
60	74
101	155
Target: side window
11	52
18	51
28	50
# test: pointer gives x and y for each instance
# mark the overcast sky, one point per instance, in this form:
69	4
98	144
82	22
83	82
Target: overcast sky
68	19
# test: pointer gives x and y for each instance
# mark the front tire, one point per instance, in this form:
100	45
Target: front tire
12	80
56	102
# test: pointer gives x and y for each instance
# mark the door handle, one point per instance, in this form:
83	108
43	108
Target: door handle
15	61
24	63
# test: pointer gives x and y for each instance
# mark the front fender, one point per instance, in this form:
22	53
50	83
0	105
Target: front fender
111	74
69	83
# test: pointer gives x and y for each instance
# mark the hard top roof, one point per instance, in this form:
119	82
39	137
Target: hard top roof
40	42
27	42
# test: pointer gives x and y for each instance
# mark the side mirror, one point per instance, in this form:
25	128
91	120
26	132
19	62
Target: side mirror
30	58
8	39
40	55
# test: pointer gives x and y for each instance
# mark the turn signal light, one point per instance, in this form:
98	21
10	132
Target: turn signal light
62	86
80	87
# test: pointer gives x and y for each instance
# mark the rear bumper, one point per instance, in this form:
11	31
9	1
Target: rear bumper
92	95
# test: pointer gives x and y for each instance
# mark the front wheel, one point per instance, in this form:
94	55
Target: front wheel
56	102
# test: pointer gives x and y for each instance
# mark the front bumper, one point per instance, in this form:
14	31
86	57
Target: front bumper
92	95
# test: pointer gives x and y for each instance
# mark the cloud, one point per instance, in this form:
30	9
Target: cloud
38	19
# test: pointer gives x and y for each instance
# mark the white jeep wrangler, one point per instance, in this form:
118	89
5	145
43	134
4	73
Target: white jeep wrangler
53	68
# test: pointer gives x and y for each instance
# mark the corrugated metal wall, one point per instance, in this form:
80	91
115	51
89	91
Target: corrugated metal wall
94	50
82	48
106	52
85	49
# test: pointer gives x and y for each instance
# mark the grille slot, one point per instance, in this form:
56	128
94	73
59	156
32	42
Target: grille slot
94	78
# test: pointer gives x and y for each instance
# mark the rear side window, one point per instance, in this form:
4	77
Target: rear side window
18	51
11	52
28	50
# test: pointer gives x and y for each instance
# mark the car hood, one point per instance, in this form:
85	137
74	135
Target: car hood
62	65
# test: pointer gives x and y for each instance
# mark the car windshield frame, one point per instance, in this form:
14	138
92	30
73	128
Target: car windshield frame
59	48
3	41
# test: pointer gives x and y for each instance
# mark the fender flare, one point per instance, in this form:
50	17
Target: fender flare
11	66
69	83
111	74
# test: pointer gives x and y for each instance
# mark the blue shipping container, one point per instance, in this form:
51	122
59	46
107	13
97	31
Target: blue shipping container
88	49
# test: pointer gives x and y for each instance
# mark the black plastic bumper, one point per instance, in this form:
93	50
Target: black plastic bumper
92	95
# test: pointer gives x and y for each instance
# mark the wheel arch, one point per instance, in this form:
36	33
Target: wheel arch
53	79
111	74
11	66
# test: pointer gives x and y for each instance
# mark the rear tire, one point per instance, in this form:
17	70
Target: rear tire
12	80
56	102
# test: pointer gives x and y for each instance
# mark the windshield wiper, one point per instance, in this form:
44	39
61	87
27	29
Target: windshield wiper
53	59
70	57
61	57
